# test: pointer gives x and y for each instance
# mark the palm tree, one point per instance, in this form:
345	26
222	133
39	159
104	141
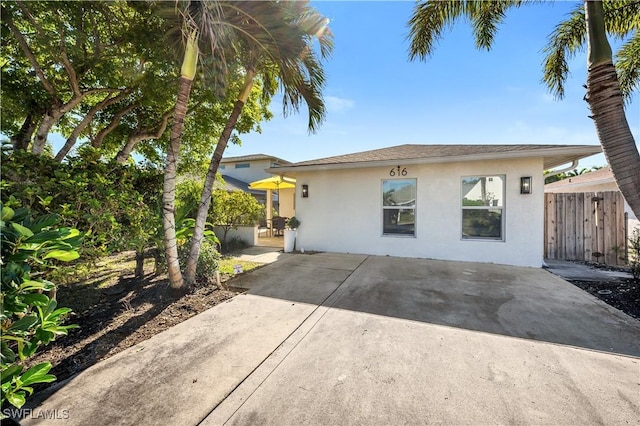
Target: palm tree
274	43
605	99
199	23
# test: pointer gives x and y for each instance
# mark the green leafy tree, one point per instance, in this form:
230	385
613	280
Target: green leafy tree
29	317
233	208
604	96
115	204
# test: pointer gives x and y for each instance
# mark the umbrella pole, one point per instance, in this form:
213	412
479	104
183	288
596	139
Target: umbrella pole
269	209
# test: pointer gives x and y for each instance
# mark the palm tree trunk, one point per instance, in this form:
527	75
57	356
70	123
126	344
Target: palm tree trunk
187	74
607	105
205	199
169	187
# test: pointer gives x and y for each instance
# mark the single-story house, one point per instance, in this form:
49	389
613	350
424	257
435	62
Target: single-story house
480	203
595	181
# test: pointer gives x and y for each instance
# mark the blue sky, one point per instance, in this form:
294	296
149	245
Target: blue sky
377	98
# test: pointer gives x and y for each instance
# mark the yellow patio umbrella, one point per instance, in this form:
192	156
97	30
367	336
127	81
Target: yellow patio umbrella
273	183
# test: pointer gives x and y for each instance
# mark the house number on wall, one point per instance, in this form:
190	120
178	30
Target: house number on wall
398	171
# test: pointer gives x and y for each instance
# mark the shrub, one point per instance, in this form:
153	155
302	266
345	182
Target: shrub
29	317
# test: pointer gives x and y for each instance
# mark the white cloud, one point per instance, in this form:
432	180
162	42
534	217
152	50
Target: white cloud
336	104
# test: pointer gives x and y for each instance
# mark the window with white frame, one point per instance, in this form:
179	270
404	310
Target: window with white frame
483	207
399	207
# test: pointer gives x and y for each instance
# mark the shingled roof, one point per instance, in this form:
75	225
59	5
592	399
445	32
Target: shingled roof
603	175
554	155
253	157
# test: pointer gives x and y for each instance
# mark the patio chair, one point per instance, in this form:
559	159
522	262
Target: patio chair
278	224
264	226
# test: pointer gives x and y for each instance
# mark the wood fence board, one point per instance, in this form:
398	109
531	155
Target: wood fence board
579	226
599	222
560	226
587	226
609	224
550	226
570	226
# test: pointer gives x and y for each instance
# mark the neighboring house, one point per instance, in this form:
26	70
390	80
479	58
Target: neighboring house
452	202
239	172
596	181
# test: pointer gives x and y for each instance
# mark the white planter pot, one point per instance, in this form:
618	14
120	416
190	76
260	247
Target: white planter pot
289	240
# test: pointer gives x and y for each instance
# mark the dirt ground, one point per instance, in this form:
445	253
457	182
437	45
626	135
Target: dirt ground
621	293
115	311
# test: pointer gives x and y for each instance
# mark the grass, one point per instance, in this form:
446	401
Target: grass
227	263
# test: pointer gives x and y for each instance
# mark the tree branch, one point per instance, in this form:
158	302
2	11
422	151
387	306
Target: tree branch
97	141
6	16
145	134
71	72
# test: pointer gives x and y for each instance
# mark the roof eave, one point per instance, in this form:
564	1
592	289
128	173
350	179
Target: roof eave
552	157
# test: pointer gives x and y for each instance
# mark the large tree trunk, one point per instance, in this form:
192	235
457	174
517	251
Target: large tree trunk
48	121
607	105
22	139
205	199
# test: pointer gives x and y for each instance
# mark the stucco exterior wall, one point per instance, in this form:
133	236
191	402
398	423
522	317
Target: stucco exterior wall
254	172
249	234
343	213
286	202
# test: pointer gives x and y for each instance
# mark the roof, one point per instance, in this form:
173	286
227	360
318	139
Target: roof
233	184
553	155
600	176
253	157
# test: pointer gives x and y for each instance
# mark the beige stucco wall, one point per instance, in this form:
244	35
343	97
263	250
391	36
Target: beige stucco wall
343	213
254	172
286	199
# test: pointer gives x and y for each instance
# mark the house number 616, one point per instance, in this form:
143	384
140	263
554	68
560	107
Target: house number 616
398	171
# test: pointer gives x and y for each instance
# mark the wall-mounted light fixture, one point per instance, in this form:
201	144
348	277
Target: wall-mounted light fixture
305	191
525	185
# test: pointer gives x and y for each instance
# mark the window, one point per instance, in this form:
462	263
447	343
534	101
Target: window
243	166
399	207
221	167
483	207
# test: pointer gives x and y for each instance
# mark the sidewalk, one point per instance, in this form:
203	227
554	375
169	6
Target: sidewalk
574	271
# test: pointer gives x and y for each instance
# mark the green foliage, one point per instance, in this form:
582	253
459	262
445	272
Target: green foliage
232	209
293	223
208	261
31	247
634	258
114	203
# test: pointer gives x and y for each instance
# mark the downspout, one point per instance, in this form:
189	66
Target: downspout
573	165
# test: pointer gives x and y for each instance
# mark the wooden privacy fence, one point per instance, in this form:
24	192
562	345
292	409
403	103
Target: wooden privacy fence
589	226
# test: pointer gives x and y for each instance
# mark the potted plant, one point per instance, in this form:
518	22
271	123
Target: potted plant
290	234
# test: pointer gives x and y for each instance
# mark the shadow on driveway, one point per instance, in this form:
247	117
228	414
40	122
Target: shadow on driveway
512	301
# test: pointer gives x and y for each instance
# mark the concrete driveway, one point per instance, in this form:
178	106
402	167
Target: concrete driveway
353	339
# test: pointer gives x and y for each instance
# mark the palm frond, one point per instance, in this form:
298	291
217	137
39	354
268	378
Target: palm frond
627	62
568	38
